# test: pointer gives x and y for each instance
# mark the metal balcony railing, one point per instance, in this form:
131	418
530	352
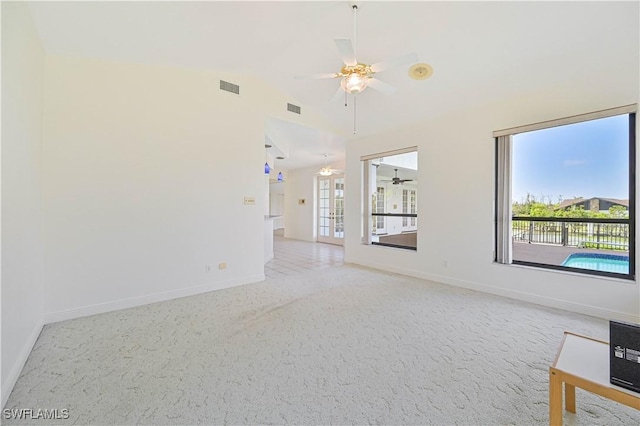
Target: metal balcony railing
597	233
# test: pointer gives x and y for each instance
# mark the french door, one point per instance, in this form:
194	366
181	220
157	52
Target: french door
331	209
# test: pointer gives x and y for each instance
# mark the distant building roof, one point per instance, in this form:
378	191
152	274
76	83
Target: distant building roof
568	203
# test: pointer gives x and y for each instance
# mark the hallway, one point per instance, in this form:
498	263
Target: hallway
292	257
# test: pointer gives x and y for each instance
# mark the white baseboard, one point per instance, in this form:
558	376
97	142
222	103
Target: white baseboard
101	308
593	311
11	379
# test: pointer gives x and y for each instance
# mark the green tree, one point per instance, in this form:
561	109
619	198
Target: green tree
543	207
618	212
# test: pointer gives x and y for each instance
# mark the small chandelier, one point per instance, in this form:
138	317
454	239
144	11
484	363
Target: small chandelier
325	171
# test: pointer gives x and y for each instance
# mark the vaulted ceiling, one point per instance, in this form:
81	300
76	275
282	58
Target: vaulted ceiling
480	51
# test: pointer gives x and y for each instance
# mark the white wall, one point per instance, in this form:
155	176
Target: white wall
456	167
145	172
300	220
276	203
22	240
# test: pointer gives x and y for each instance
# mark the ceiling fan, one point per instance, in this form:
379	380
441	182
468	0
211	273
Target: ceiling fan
397	181
326	170
355	76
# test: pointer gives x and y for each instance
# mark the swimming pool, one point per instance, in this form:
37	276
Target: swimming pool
598	262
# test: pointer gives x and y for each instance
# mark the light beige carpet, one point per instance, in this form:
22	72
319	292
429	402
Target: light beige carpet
347	345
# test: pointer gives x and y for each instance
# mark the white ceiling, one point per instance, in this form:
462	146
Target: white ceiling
480	51
303	146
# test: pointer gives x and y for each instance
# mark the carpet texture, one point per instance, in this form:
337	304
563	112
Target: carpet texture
347	345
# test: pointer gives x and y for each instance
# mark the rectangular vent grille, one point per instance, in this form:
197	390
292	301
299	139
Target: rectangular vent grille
293	108
229	87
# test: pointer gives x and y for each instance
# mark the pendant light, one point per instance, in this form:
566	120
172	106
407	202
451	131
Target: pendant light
267	169
280	177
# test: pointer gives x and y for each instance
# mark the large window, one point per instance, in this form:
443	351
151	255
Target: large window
391	204
565	194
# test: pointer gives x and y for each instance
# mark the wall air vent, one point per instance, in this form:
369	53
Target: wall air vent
293	108
229	87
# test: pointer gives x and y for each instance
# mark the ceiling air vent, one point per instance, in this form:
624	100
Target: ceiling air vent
229	87
293	108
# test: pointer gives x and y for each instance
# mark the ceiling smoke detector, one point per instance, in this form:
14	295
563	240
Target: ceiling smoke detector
420	71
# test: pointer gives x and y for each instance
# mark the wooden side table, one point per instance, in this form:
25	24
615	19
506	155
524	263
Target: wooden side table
583	362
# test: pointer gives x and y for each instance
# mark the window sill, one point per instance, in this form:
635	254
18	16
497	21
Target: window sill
572	273
392	246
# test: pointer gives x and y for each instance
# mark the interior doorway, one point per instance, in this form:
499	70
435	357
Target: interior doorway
331	209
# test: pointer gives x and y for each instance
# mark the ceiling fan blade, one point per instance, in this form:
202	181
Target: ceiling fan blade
316	76
400	60
340	93
345	48
381	87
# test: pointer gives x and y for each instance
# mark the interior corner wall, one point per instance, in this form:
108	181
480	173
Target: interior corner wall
456	199
299	216
22	211
145	173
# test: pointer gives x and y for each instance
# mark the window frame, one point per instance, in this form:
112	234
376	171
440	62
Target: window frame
631	112
369	214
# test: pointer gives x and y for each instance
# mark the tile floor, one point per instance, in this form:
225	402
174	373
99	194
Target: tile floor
293	257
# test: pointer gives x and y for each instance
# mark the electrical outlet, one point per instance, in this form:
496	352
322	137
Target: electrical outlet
222	265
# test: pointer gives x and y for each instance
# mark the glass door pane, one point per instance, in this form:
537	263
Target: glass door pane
338	207
331	209
324	215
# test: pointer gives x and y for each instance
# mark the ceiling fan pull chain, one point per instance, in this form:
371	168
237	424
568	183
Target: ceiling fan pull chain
354	115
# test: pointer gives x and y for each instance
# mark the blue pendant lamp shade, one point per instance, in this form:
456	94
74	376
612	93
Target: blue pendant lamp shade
280	177
267	169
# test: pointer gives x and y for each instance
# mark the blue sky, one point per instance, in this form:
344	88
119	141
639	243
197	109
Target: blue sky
588	159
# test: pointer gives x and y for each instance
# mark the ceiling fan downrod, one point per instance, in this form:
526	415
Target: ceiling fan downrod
354	6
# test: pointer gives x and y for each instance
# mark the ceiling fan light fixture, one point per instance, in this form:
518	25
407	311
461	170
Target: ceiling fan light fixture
354	83
325	171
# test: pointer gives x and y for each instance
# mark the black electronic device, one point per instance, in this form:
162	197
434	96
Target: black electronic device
624	355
